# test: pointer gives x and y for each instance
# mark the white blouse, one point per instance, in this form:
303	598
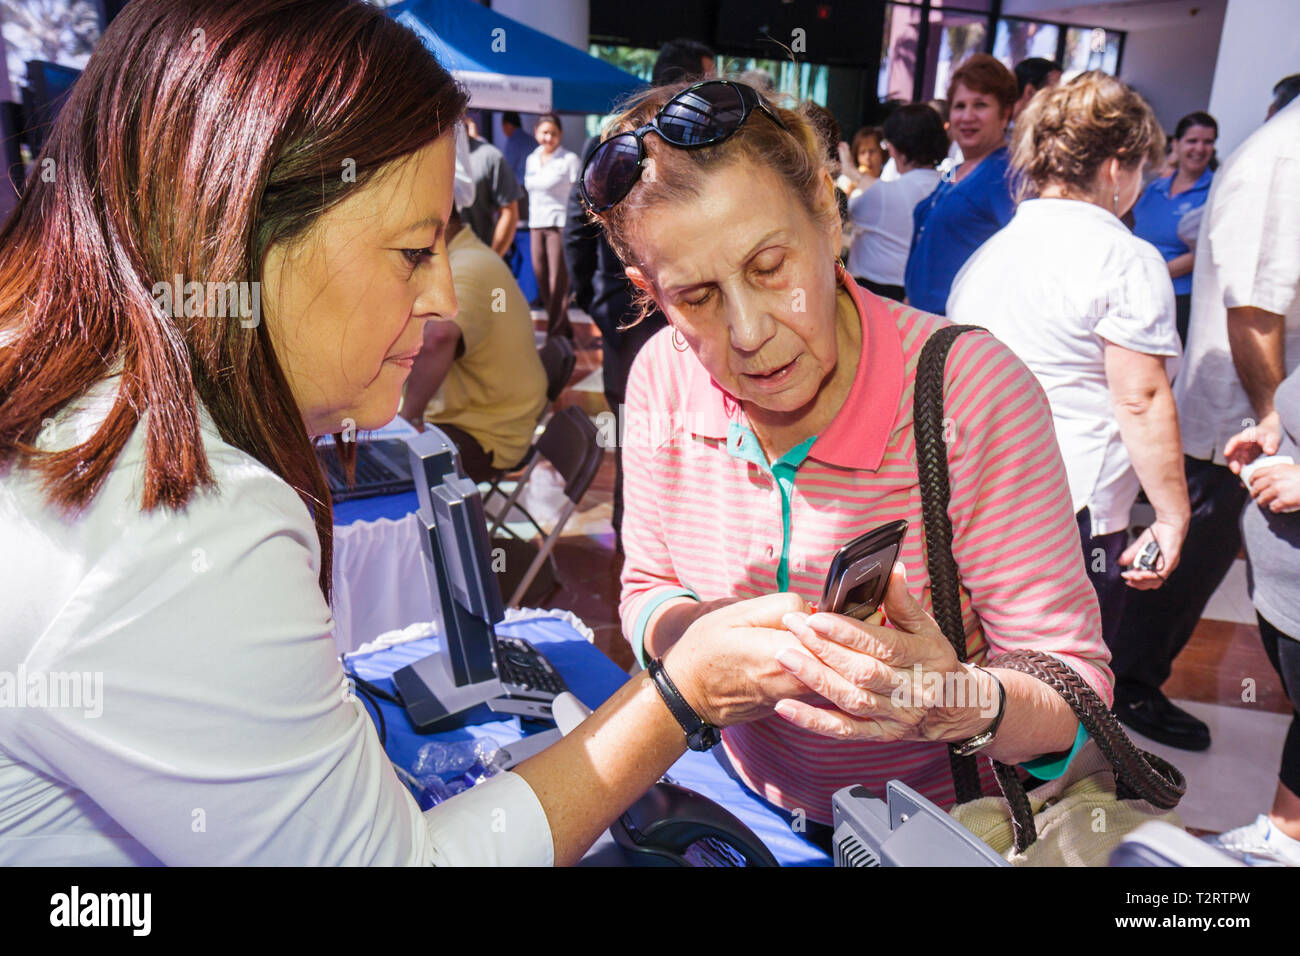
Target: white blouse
1055	284
548	186
1248	255
174	695
882	214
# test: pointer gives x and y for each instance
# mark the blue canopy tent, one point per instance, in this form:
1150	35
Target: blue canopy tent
470	39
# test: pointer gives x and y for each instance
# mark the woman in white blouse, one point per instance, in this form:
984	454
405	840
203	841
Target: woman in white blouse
549	174
882	215
167	528
1089	308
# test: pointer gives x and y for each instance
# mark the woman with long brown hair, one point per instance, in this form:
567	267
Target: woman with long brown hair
237	250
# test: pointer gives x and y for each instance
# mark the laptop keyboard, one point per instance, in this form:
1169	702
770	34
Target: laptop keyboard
371	472
522	666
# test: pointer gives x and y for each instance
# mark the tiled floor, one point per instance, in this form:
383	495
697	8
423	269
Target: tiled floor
1223	675
588	564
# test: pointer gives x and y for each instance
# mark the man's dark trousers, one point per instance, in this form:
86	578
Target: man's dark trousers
1157	624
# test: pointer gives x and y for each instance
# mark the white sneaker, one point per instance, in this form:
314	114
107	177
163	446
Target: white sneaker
1259	844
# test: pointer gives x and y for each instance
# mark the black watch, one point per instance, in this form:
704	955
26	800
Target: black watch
699	734
964	748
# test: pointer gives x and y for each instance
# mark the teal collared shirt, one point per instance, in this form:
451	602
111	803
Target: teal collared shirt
743	444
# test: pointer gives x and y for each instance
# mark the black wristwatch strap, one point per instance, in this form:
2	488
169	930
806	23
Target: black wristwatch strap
977	743
699	735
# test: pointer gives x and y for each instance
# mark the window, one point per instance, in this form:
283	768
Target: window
1018	40
899	43
1090	49
984	6
634	60
804	81
59	31
954	38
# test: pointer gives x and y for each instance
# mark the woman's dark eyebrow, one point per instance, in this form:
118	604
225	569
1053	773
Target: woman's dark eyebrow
424	223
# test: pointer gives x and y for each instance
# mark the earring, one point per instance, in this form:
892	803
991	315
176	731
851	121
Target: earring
1115	202
676	337
841	273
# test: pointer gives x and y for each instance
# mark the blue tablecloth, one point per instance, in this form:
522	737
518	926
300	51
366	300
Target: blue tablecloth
370	509
592	677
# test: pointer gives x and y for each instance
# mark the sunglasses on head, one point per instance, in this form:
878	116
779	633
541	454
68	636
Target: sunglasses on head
705	114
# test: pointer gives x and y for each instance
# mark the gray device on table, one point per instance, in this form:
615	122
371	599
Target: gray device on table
1157	843
905	829
475	666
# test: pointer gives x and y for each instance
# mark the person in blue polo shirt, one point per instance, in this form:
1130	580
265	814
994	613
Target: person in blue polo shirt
1169	199
972	201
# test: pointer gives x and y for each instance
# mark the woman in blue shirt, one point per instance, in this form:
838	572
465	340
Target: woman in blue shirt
1170	198
973	201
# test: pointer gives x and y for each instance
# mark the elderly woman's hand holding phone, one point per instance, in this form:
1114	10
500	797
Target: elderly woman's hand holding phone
877	674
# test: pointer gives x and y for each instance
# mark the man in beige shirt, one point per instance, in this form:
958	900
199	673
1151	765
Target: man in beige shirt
478	376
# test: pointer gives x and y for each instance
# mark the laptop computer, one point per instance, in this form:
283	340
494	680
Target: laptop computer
383	468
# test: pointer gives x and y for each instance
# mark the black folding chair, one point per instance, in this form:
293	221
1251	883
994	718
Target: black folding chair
558	361
570	444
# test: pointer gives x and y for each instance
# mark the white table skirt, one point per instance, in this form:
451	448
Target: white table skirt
380	580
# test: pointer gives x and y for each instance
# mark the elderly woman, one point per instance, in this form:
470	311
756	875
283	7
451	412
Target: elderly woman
167	524
1089	307
772	424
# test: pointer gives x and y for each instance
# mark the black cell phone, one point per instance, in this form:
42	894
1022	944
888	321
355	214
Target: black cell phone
859	574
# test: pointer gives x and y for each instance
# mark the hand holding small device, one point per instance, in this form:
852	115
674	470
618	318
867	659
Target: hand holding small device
1264	461
1251	444
1275	487
860	667
1152	557
1149	558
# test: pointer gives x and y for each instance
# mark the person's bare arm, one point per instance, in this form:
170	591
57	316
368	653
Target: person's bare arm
1181	265
725	667
503	236
587	779
442	345
1148	424
1258	343
670	621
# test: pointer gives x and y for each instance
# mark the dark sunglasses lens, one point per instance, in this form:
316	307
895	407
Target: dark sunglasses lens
703	115
612	170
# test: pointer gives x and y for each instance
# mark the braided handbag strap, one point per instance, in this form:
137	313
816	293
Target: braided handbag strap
1138	774
932	470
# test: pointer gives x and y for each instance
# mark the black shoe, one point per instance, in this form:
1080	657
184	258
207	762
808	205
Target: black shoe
1157	717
